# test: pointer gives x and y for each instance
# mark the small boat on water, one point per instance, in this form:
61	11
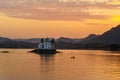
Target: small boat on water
46	45
73	57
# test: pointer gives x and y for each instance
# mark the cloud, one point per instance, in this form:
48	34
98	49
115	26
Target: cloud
98	24
60	9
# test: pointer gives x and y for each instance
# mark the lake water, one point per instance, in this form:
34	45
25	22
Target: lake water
87	65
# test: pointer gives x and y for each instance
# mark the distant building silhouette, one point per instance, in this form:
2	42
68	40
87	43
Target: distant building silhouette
47	44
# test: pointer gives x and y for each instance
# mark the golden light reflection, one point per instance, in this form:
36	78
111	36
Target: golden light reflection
115	3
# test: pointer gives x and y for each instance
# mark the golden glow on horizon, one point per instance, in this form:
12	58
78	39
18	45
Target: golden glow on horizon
24	28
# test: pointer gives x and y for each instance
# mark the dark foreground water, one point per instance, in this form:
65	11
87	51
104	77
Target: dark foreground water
87	65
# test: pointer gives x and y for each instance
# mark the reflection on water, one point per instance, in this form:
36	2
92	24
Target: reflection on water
47	66
87	65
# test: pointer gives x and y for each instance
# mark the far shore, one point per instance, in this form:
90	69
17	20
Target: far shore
68	49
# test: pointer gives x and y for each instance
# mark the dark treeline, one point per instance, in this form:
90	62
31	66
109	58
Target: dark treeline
17	44
101	46
60	45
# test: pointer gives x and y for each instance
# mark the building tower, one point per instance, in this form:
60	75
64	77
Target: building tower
47	44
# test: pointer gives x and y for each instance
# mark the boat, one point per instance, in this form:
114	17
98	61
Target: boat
46	46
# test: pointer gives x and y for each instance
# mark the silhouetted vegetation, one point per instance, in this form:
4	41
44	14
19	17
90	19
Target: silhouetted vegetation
115	47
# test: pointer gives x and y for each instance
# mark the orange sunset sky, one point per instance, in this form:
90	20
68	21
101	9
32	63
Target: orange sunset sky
56	18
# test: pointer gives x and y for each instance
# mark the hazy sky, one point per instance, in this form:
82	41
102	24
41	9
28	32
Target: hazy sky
55	18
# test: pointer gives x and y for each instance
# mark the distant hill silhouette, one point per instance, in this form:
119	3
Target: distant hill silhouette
89	38
2	39
31	40
63	39
109	39
10	43
111	36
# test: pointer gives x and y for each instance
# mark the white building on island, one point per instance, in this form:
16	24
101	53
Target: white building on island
47	44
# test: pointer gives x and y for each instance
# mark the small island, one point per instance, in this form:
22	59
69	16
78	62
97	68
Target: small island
46	45
4	52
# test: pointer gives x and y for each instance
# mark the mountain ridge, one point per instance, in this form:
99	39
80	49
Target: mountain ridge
93	41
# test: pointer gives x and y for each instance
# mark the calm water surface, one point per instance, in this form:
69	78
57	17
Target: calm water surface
87	65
